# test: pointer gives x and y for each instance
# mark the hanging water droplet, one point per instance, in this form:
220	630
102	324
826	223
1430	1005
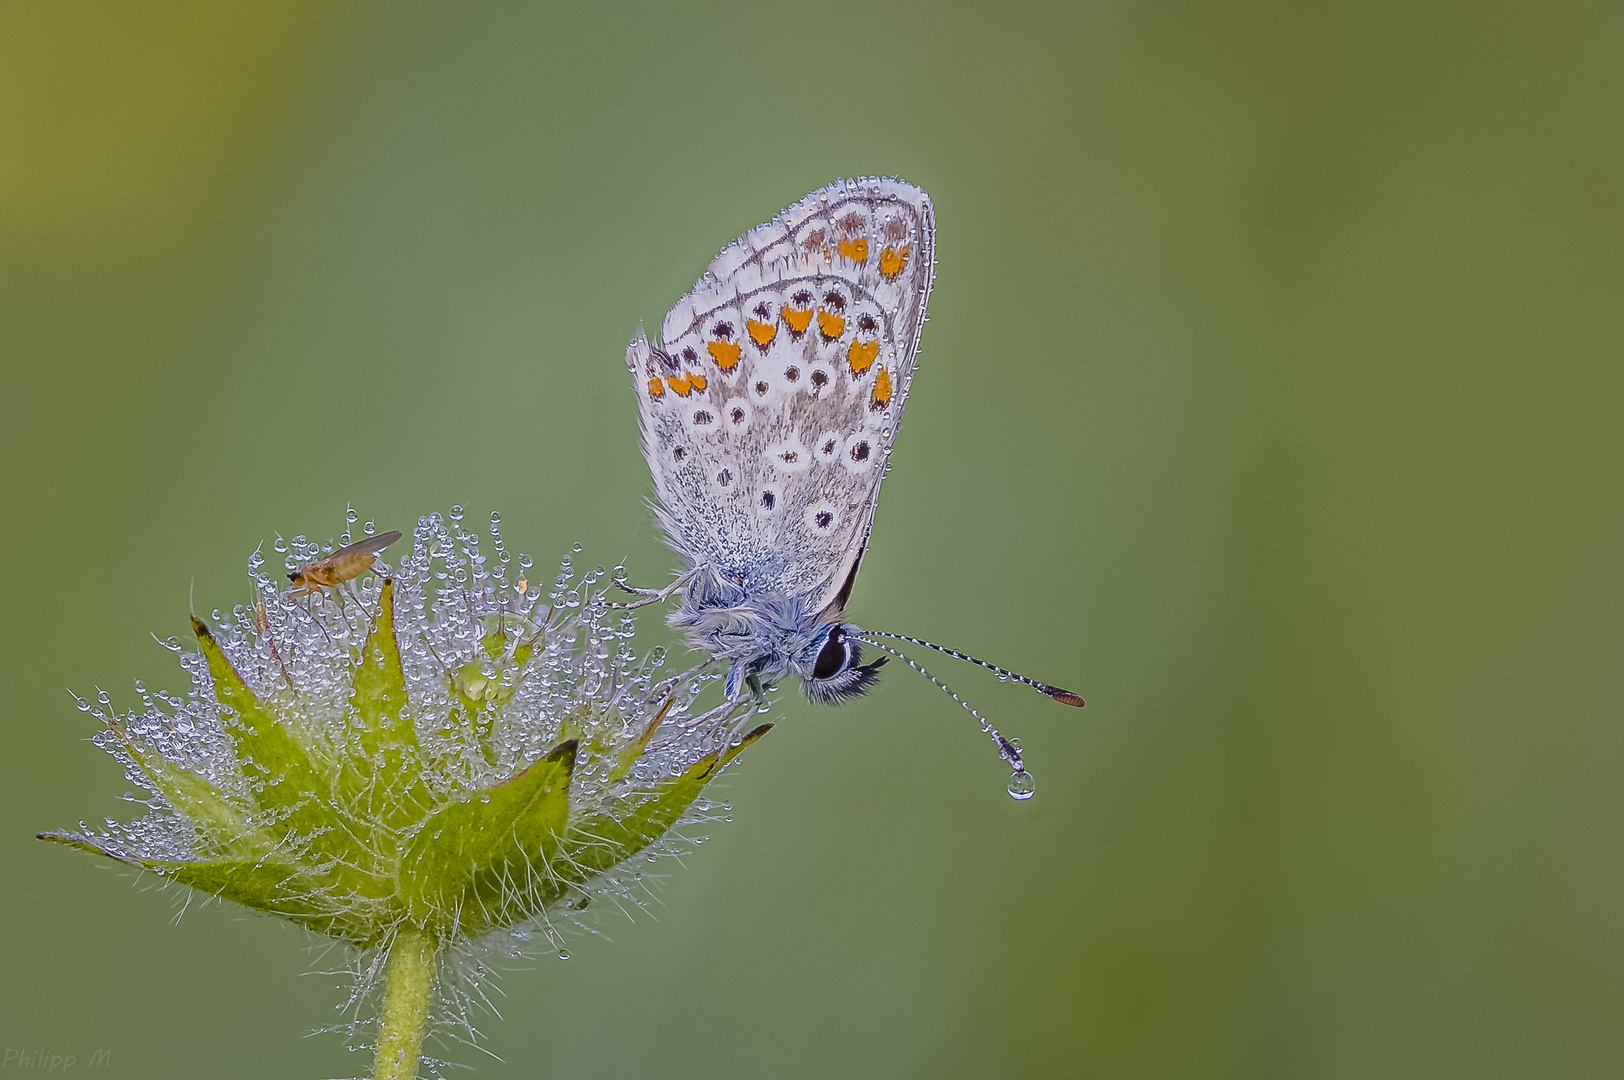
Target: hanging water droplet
563	954
1021	785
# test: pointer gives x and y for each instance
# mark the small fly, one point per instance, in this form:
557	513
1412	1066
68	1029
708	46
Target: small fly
345	564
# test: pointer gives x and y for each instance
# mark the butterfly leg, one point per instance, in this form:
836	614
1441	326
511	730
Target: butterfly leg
654	596
734	681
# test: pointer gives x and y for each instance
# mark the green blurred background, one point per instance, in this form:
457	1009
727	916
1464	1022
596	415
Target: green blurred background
1271	399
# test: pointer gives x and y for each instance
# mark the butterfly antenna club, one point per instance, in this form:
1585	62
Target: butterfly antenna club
1065	697
1021	784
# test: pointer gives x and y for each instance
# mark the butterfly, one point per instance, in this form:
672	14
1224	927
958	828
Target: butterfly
768	413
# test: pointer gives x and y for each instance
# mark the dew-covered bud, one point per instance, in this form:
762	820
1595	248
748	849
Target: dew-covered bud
431	763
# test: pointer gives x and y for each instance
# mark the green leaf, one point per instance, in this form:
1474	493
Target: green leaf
479	864
596	842
387	771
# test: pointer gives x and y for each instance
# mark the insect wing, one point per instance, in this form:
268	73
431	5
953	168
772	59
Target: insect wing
370	545
770	407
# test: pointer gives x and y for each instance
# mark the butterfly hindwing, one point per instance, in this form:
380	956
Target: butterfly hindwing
770	407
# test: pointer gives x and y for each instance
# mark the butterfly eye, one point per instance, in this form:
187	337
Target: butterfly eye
831	658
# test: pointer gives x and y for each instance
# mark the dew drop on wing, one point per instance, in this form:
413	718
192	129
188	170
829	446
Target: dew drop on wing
1021	785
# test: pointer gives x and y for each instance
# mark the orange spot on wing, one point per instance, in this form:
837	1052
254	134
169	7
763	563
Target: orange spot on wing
855	250
656	388
861	355
797	321
830	325
697	380
892	260
680	383
725	353
761	333
882	390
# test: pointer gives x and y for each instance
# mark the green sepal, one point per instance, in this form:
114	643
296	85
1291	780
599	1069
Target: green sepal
627	755
324	900
223	826
476	865
83	843
596	842
387	770
287	775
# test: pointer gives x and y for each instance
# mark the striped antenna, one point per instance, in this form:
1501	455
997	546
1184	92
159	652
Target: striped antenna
1065	697
1007	749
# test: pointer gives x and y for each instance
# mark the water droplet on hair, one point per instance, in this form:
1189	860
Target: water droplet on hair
1021	785
576	547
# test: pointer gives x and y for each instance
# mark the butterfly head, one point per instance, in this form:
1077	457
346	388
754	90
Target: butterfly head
832	668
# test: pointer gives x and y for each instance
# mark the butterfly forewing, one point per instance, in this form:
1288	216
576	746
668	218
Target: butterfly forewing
771	404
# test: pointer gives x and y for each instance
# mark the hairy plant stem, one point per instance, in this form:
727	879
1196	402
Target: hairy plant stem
407	991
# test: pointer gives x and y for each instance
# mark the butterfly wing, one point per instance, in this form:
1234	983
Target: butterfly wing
770	407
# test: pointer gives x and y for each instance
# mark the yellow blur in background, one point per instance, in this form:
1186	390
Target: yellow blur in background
1270	399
